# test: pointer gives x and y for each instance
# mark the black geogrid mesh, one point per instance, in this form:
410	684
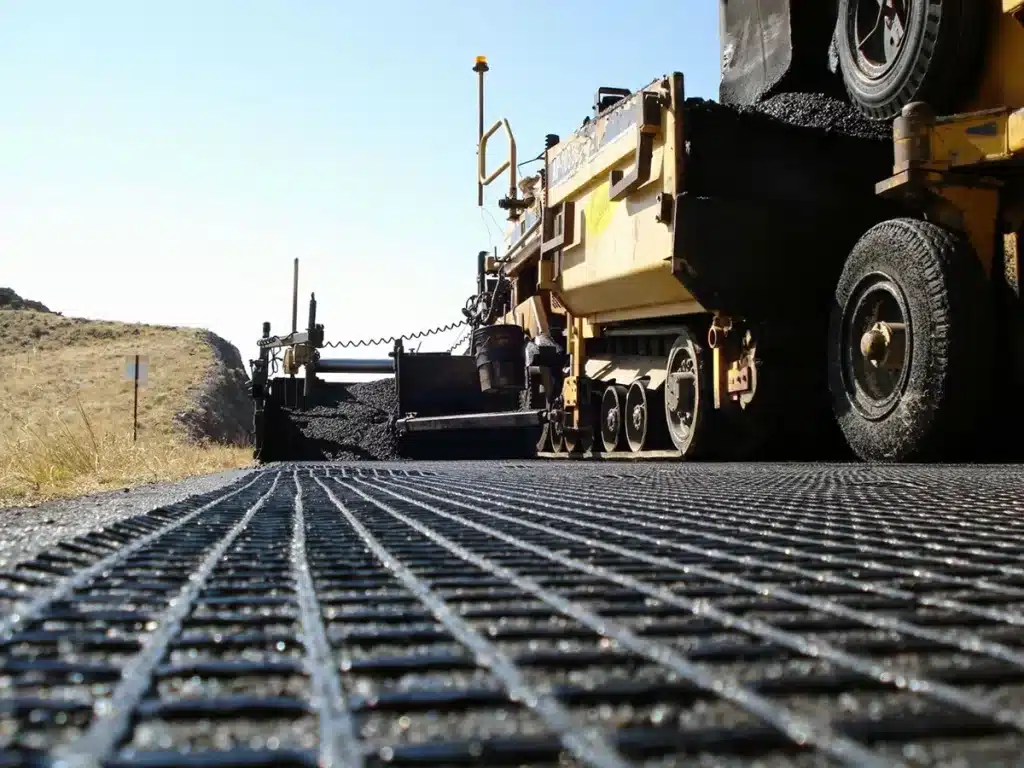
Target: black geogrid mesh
552	615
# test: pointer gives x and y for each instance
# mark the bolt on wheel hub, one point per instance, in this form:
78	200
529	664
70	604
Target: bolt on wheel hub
638	416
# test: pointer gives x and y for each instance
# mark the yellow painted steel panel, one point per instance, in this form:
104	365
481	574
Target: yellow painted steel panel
1015	132
623	257
1002	82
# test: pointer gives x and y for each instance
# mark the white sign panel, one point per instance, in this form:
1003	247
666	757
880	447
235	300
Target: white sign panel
129	369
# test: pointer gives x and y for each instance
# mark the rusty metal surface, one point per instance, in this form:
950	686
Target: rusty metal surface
531	613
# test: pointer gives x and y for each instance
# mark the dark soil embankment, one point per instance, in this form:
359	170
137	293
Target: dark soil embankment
221	411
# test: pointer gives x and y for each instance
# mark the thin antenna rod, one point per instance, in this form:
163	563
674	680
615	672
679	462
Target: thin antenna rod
295	299
480	67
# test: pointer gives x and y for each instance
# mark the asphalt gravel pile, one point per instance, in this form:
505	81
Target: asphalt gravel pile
353	422
823	113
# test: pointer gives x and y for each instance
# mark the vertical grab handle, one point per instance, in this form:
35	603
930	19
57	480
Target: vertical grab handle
483	177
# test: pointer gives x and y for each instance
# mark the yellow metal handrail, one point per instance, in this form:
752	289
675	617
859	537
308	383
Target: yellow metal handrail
510	163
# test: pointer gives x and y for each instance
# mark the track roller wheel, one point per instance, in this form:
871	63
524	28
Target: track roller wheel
613	405
910	344
644	422
556	434
578	443
533	397
690	398
583	441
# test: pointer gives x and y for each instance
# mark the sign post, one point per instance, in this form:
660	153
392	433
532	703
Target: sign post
137	370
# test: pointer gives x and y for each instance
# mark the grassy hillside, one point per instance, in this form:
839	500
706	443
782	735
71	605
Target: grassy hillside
66	409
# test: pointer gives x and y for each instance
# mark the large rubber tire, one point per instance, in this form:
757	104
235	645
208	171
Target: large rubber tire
938	406
937	63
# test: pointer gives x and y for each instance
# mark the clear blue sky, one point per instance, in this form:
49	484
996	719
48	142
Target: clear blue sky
164	162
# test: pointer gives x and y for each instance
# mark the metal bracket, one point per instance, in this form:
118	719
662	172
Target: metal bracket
623	184
558	227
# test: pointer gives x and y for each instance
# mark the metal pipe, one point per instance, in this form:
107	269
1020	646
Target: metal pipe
295	298
354	365
493	420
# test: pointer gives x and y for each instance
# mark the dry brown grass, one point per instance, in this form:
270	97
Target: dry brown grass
66	410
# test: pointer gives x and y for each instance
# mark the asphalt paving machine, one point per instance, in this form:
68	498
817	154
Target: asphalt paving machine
696	279
446	405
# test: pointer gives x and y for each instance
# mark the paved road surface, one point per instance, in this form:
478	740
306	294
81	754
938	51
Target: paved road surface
510	613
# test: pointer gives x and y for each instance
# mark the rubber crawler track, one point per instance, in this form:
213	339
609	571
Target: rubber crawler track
543	613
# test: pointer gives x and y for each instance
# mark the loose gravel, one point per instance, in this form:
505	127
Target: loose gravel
823	113
355	422
26	531
352	423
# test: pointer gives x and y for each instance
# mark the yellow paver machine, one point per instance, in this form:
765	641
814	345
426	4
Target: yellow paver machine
711	280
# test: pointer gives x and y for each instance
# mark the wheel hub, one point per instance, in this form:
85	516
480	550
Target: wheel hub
882	342
612	418
678	394
873	346
681	395
879	34
877	357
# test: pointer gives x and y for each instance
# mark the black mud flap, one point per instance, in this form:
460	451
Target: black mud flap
771	46
434	385
439	384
